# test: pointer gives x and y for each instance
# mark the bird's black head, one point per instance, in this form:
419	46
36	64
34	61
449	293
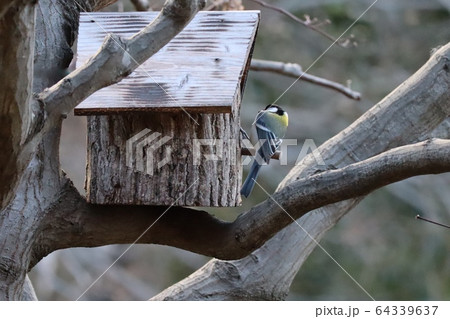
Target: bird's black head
276	109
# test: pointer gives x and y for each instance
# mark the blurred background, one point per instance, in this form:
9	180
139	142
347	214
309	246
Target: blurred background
394	256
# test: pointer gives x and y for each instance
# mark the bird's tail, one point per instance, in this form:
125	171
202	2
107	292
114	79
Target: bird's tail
251	179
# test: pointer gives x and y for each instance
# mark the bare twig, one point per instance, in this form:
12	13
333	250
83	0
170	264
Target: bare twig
141	5
312	24
431	221
294	70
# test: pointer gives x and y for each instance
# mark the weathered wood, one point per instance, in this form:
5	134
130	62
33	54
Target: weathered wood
203	70
112	63
198	71
180	182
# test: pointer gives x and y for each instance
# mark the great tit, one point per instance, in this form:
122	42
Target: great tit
271	124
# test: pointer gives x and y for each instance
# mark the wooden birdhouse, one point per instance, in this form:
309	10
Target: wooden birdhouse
168	134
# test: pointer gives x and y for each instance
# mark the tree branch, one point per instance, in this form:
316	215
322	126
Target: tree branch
294	70
117	57
225	5
409	113
355	180
141	5
215	4
95	5
425	98
87	225
16	67
28	293
6	5
309	23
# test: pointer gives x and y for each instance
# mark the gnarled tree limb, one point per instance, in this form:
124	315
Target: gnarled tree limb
409	113
294	70
413	110
17	30
85	225
188	229
31	137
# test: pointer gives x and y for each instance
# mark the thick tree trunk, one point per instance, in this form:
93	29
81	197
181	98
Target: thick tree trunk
29	136
31	177
16	67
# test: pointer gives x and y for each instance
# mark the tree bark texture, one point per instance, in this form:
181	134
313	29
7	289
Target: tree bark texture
31	177
16	63
186	177
408	114
250	230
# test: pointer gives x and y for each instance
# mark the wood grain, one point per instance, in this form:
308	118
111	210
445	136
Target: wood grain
181	182
200	70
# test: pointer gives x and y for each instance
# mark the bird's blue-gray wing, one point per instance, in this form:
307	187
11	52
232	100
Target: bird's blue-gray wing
269	141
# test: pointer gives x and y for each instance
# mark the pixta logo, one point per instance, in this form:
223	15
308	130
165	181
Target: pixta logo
148	151
141	149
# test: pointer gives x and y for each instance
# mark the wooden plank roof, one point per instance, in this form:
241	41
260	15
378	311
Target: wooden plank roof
200	70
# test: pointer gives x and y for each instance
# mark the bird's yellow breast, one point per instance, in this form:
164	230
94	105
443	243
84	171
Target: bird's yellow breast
281	119
277	123
284	119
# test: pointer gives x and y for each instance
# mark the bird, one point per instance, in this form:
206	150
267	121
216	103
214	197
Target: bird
271	125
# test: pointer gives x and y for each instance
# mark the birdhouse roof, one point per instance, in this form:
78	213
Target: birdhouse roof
201	70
